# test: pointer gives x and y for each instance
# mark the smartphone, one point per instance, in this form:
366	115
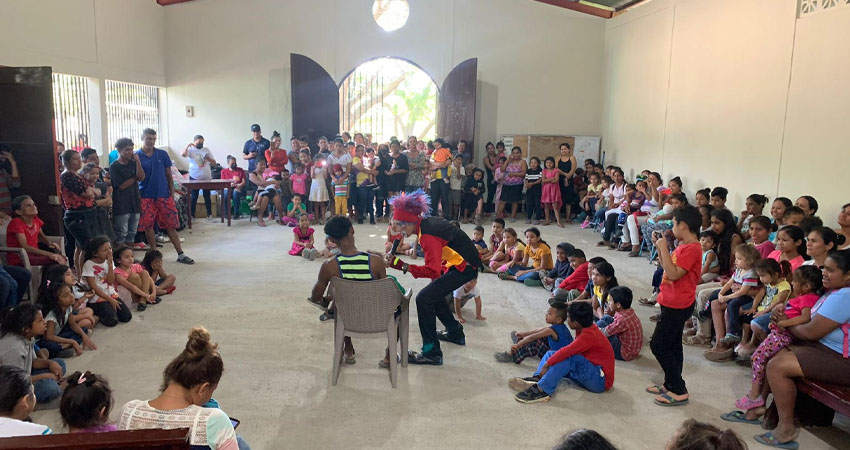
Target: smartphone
235	422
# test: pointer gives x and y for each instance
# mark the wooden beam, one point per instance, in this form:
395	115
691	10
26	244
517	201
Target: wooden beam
171	2
580	7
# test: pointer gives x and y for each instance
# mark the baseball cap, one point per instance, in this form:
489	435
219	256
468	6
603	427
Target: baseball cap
255	128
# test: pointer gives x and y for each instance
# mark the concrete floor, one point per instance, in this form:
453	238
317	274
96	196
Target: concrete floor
250	294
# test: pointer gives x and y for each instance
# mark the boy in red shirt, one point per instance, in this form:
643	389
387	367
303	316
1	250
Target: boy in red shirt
682	271
623	330
588	361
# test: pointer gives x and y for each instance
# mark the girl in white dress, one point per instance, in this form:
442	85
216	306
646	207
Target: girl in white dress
318	189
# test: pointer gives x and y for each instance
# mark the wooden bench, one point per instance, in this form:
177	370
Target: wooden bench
836	398
153	439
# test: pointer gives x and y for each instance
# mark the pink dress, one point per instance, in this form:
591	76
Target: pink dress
297	248
551	191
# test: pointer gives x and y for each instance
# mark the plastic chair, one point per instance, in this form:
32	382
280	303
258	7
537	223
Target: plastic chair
35	281
366	309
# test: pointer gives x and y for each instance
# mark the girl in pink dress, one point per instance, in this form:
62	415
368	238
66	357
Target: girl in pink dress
551	197
303	242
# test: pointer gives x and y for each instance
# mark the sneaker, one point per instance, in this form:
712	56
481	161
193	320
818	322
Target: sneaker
585	224
424	359
458	338
211	219
141	246
162	239
504	357
520	384
530	282
183	259
532	395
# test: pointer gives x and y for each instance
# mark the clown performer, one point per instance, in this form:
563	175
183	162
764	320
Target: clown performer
451	260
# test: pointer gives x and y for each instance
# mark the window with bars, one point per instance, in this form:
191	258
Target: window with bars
71	110
130	108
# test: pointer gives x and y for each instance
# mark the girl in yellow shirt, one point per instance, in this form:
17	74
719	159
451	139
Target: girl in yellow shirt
537	256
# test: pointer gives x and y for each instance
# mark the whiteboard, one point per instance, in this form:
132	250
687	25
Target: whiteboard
587	147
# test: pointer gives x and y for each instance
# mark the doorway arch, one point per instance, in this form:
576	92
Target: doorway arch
389	96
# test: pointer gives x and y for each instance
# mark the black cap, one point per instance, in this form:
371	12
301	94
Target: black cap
255	128
350	144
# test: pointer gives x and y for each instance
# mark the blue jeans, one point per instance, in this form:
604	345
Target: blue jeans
14	282
67	333
614	340
733	308
235	200
533	275
599	216
577	368
47	390
125	226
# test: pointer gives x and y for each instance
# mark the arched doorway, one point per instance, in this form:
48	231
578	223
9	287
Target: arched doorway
388	97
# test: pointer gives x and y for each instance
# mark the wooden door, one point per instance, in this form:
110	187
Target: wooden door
456	116
26	128
315	100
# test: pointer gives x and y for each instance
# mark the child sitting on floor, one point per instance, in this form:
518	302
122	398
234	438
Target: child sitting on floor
303	243
479	242
294	210
63	330
588	361
156	269
569	288
100	276
510	250
134	278
538	342
562	268
603	281
86	404
536	256
404	248
498	228
462	295
62	274
20	326
623	331
710	265
807	281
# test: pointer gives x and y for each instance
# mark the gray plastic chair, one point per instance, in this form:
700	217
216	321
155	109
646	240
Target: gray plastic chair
366	309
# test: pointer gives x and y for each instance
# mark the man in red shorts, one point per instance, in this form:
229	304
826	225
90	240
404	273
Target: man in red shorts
157	191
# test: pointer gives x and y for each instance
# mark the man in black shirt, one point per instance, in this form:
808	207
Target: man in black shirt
126	173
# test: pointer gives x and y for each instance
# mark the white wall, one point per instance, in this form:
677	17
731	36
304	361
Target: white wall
101	39
540	68
118	40
738	93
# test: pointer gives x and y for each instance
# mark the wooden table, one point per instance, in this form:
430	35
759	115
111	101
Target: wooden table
216	185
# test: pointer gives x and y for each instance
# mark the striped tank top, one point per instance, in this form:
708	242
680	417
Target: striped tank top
354	267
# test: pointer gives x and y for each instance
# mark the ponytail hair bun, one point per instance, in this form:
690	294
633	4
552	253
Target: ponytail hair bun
199	343
197	364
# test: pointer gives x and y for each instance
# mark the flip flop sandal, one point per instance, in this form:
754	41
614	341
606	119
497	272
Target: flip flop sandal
350	359
770	440
670	401
503	276
740	417
697	340
386	364
656	389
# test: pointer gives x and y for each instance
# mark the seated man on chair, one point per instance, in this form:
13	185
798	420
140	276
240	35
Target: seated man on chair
350	264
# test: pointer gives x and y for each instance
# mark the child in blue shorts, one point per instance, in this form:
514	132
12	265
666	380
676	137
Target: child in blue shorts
540	341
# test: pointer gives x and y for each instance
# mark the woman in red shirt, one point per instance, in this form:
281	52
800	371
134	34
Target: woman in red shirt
275	156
